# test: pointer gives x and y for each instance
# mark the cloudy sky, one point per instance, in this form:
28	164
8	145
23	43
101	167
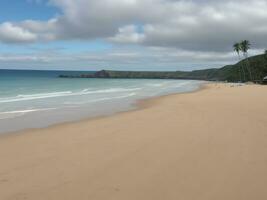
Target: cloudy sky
128	34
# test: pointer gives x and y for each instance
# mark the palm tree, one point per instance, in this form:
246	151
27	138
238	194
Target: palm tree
245	46
237	49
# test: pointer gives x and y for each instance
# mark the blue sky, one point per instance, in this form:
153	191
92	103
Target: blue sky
125	35
18	10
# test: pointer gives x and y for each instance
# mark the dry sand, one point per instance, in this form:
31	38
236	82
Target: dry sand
207	145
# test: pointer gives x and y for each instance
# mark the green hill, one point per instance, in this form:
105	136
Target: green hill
256	64
232	73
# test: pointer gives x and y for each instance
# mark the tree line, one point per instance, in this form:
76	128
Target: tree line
243	47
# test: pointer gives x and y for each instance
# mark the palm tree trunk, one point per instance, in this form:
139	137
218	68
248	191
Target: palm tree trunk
240	74
248	66
242	68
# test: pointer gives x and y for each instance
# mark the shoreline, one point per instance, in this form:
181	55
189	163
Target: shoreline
201	145
135	106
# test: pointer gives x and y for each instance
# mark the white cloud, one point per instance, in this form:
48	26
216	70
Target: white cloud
10	33
211	26
184	31
128	34
46	30
191	25
143	58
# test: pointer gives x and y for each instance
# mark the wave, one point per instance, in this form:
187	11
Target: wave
111	90
44	94
100	99
27	97
26	111
155	85
16	113
109	98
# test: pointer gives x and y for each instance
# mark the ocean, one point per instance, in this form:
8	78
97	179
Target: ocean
35	99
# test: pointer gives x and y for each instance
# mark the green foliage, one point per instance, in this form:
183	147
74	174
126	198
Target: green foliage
229	73
258	69
245	46
237	48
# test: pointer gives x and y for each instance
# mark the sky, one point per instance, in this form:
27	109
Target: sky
128	34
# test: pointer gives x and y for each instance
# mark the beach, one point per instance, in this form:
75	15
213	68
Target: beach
205	145
38	99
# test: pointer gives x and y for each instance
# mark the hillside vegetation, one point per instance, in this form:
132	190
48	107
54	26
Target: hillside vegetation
257	65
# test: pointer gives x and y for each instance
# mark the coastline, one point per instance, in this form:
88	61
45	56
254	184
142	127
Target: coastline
136	105
205	144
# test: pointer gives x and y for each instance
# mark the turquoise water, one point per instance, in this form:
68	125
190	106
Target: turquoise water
31	99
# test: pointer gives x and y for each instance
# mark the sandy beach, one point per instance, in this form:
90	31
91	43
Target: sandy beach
206	145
